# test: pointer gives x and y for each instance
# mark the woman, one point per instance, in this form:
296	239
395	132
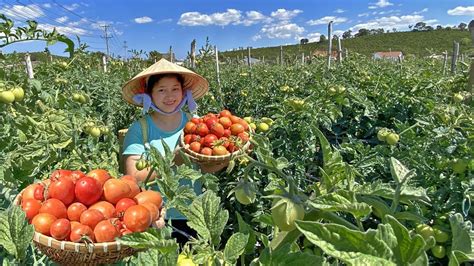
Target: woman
164	88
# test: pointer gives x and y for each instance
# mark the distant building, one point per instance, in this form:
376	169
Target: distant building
253	61
393	55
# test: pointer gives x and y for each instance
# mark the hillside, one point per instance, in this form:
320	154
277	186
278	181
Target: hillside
421	43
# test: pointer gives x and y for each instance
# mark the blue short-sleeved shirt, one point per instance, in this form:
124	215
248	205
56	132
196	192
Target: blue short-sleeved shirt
133	145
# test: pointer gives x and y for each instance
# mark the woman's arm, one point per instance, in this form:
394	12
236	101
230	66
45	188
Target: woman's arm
131	169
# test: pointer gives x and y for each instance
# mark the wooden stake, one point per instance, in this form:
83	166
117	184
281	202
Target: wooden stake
248	57
104	63
339	50
445	62
330	43
171	54
193	53
29	66
302	58
470	85
281	55
455	57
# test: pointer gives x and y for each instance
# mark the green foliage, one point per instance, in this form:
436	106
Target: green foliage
15	232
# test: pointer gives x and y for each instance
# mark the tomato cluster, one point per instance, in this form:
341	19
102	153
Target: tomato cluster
216	134
74	206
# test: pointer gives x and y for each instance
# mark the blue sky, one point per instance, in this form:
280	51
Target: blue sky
156	25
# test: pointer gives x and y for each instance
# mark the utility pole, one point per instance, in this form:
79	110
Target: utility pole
125	50
106	37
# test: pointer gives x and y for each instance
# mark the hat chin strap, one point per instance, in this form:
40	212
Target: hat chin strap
144	99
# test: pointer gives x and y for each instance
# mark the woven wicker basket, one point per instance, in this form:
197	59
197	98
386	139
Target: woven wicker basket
71	253
210	164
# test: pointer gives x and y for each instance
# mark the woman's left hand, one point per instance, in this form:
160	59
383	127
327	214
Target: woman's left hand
160	223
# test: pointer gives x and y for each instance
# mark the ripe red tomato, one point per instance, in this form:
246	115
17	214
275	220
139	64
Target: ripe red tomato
202	130
149	196
105	207
122	205
190	128
42	222
153	209
116	189
76	175
100	175
39	192
211	121
224	141
54	207
60	229
56	175
132	182
31	207
62	189
244	136
196	120
187	138
227	132
88	190
80	232
217	129
208	116
225	122
219	150
206	151
105	231
91	218
195	146
225	113
235	119
209	139
244	124
30	192
137	218
75	210
236	128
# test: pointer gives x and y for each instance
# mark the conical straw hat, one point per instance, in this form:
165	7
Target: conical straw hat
192	81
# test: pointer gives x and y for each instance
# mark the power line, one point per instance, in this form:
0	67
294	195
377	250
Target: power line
106	37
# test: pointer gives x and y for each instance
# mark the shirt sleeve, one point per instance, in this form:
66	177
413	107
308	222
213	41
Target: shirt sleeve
133	142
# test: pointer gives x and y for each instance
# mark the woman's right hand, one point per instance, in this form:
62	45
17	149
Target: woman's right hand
131	168
160	223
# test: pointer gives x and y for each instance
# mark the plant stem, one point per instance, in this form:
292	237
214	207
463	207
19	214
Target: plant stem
396	198
148	177
415	125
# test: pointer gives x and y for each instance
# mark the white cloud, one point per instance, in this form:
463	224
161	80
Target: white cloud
314	37
363	15
77	23
231	16
283	14
462	11
47	5
388	23
62	19
326	20
338	32
143	20
63	30
282	31
22	12
256	37
254	17
380	4
339	11
421	11
72	7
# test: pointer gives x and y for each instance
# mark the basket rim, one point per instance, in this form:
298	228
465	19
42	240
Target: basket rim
203	157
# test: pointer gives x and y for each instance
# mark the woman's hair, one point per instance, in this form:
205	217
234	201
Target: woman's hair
152	80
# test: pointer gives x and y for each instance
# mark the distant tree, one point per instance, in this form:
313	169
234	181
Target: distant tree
428	28
362	32
394	30
420	26
376	31
462	26
304	41
448	28
410	26
154	55
439	27
465	41
322	38
347	34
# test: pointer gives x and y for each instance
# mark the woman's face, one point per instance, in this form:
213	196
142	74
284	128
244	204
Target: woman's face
167	94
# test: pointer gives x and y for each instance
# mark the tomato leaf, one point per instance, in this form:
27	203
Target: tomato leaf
152	238
246	229
341	201
462	248
207	217
15	232
235	246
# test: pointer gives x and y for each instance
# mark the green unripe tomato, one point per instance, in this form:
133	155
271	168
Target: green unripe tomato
440	235
438	251
459	166
245	193
332	90
392	138
7	97
341	89
382	134
19	93
76	97
82	99
425	231
458	97
285	212
267	120
263	127
105	130
95	132
141	164
248	119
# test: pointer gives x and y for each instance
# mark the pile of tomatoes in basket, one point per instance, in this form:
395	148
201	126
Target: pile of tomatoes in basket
216	134
97	207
